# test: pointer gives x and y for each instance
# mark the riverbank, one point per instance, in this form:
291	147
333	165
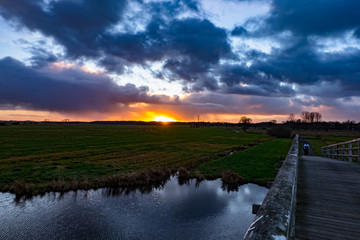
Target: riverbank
41	158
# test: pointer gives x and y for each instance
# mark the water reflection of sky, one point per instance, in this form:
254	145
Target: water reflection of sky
173	212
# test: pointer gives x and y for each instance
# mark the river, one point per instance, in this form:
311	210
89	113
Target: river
172	212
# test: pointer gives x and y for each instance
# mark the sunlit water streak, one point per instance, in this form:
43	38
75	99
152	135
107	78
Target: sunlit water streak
174	212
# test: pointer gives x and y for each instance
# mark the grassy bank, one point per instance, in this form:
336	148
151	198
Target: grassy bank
255	164
40	158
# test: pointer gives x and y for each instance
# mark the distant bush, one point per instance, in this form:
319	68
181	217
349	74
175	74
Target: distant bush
280	132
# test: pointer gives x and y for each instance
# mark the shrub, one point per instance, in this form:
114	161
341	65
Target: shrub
230	177
183	175
280	132
22	188
231	180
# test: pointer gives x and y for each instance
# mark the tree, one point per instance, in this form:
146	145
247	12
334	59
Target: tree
309	117
349	124
317	117
305	116
245	122
291	117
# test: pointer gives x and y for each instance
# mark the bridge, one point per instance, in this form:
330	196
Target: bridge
313	197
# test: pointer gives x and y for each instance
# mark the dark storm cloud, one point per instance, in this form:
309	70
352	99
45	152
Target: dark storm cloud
303	65
41	57
244	80
74	24
195	46
189	46
65	90
199	39
171	8
299	59
238	31
194	50
81	27
236	104
318	17
357	32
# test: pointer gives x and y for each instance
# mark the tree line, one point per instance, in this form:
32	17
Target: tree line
306	117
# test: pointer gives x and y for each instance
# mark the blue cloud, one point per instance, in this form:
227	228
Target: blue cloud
66	90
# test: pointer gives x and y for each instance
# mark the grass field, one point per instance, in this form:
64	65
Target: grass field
40	154
255	164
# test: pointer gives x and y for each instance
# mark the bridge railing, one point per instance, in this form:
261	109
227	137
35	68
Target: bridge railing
346	151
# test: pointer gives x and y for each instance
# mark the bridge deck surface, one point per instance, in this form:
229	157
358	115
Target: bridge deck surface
328	199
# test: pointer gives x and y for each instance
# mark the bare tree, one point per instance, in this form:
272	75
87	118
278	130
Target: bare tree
245	122
291	117
310	117
317	117
305	117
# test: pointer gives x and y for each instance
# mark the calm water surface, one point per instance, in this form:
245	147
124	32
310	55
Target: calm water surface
173	212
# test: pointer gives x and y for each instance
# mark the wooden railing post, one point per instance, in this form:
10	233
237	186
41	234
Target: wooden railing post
359	151
331	152
346	151
328	151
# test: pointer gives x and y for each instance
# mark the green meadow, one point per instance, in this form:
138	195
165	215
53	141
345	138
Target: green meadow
255	164
40	154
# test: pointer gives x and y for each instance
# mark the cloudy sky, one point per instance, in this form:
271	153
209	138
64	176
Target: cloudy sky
138	59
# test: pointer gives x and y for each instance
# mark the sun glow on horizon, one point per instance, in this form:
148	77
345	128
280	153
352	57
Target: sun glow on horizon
163	119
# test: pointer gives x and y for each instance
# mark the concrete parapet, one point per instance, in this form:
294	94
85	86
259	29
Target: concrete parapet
276	216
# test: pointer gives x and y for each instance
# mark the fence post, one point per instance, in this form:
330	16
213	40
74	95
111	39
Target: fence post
358	151
328	151
343	152
350	152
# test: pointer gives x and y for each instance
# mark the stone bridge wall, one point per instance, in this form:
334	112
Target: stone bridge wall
276	216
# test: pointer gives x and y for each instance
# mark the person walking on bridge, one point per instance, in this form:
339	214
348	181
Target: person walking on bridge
306	148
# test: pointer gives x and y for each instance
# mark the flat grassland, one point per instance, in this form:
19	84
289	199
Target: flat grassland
41	154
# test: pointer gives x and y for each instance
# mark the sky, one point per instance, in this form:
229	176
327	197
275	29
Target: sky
142	59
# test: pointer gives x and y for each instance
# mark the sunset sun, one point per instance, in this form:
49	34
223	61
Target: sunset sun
163	119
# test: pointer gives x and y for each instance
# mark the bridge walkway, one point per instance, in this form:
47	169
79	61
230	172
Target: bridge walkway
328	199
